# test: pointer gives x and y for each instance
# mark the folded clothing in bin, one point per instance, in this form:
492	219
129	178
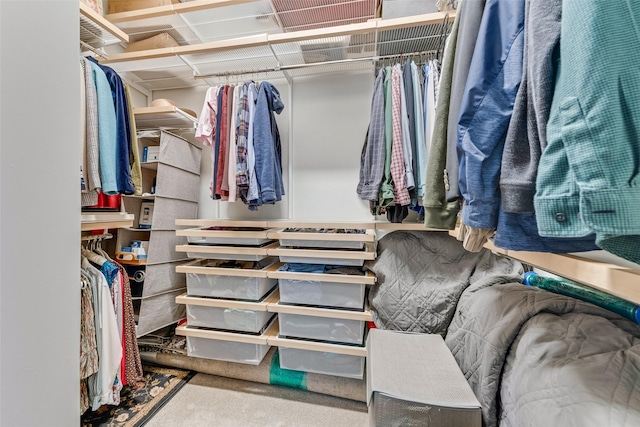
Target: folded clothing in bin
321	269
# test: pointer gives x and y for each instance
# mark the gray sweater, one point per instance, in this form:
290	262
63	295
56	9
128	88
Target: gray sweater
526	137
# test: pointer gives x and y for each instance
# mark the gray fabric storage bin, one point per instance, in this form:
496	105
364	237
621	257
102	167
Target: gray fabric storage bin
179	152
167	210
162	245
176	183
158	311
161	278
413	379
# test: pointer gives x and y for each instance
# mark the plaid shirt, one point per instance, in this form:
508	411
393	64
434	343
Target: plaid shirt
397	157
242	173
373	151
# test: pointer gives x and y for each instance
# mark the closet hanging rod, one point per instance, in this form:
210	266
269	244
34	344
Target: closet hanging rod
311	64
94	50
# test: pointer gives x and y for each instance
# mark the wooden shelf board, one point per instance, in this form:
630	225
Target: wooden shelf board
130	196
317	346
331	313
221	223
223	234
103	221
153	165
190	331
154	12
168	117
227	249
409	226
367	254
620	281
368	279
222	303
103	23
285	223
370	26
193	267
368	236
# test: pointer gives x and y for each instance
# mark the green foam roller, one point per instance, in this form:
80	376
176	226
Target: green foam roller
601	299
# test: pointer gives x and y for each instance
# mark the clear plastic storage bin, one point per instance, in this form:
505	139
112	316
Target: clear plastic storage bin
192	252
320	362
319	260
232	287
245	241
334	244
328	294
233	319
321	328
229	351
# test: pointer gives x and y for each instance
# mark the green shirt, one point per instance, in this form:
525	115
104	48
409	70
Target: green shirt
589	175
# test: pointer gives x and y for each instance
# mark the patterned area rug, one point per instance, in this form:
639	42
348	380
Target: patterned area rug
138	406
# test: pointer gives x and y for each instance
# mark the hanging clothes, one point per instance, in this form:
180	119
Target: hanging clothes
588	175
267	145
222	151
407	83
233	146
238	122
372	158
103	384
526	137
242	172
134	158
420	143
92	139
386	188
122	130
106	130
487	105
438	213
397	153
407	144
133	372
252	97
89	362
470	12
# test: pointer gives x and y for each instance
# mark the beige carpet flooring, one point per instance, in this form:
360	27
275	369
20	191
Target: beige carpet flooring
209	400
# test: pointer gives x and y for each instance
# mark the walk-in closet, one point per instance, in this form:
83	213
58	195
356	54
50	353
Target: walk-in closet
319	212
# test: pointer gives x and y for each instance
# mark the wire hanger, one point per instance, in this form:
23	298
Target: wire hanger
444	30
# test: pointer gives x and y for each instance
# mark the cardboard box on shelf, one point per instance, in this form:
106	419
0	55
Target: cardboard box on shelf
156	42
117	6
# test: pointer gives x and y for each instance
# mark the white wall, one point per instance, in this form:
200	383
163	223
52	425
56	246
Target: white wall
39	213
330	118
327	117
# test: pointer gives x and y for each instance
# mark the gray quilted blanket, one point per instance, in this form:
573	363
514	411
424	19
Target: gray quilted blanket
535	358
421	275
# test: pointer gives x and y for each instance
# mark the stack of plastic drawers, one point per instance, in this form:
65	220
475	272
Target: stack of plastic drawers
228	290
322	315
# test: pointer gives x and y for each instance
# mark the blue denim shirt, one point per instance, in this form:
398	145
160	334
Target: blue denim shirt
487	104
